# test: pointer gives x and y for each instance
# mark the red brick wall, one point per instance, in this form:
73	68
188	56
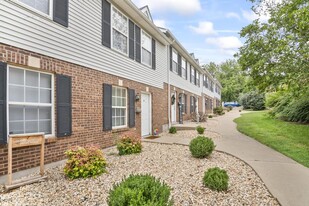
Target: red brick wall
187	116
87	123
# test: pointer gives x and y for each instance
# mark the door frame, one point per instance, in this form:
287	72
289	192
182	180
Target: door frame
174	106
150	113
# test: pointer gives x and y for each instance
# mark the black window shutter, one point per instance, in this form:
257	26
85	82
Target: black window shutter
131	40
171	58
107	107
131	95
179	65
3	125
137	44
61	12
154	63
64	105
106	23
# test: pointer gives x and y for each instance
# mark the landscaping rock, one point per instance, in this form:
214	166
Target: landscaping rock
173	164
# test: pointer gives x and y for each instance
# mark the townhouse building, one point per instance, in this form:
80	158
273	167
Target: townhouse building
88	72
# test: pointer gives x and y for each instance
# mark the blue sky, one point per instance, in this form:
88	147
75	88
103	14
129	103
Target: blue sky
208	28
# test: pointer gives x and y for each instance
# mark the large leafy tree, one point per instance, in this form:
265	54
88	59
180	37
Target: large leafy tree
231	78
276	52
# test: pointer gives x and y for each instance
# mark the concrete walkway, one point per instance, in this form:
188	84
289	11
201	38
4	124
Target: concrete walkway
286	179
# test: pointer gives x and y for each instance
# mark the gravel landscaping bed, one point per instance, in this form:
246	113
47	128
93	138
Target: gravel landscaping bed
172	163
190	134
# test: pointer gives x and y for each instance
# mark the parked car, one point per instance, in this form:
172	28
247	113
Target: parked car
233	104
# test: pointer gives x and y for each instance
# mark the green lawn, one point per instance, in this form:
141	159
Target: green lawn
290	139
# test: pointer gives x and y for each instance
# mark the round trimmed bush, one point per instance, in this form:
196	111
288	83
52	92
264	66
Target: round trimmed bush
216	179
200	129
201	147
173	130
140	190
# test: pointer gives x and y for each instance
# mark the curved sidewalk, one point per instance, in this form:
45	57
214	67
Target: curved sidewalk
286	179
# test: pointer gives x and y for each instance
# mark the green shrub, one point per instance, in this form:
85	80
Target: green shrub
140	190
216	179
209	116
253	100
218	110
201	147
84	162
271	99
200	129
297	111
173	130
129	144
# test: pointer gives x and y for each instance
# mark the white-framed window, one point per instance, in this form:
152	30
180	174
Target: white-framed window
146	49
192	75
175	59
120	28
183	67
30	101
197	79
119	107
41	6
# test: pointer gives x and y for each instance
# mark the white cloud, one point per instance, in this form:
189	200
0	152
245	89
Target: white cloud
204	27
160	23
232	15
183	7
228	42
250	16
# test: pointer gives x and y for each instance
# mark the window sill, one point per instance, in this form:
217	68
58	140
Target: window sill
118	130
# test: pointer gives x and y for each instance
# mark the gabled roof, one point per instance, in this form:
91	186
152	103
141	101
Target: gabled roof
146	11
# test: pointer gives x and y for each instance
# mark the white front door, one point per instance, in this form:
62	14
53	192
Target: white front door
146	114
173	108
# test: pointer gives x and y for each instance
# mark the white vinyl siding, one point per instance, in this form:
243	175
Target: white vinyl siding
146	49
80	43
30	101
119	107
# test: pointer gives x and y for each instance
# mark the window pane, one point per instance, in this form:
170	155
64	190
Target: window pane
122	121
120	22
114	101
45	81
45	113
117	121
119	41
16	127
32	126
32	79
41	5
124	93
31	113
45	126
146	57
16	113
114	121
146	41
16	93
16	76
114	90
113	112
175	57
119	101
117	112
122	112
45	96
32	94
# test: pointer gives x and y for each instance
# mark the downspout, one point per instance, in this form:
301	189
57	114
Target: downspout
169	84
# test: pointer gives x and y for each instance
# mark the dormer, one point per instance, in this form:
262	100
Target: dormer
192	55
146	11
